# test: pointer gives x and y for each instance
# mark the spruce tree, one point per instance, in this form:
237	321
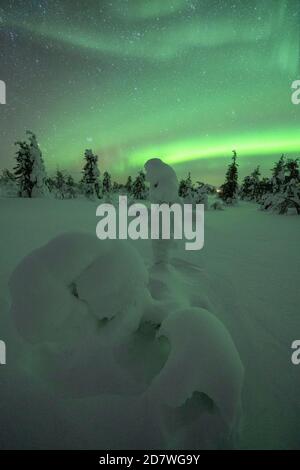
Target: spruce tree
289	195
139	189
245	189
106	183
50	182
292	169
70	187
60	185
185	186
38	173
264	187
90	178
251	186
23	169
115	187
229	190
255	175
278	174
201	194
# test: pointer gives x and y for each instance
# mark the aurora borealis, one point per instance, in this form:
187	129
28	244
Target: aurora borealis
184	80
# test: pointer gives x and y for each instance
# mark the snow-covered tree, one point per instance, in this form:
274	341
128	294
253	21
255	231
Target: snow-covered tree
106	183
139	189
201	194
185	187
284	187
289	198
274	192
289	195
229	189
60	185
50	182
118	187
292	169
90	179
250	187
264	187
245	189
70	187
38	173
23	169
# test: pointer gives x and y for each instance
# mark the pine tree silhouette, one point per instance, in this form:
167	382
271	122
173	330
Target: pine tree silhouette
90	178
229	190
139	186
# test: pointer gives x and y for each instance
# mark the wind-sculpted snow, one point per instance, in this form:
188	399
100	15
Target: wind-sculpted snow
97	321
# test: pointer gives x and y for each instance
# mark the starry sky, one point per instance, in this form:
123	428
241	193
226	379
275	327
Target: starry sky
184	80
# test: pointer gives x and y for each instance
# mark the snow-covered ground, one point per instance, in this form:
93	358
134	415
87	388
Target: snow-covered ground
247	277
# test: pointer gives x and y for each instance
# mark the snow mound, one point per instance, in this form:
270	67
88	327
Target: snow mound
203	358
74	278
77	300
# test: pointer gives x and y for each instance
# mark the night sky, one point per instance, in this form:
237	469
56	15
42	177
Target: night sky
184	80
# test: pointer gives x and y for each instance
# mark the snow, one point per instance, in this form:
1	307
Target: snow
169	371
163	181
196	333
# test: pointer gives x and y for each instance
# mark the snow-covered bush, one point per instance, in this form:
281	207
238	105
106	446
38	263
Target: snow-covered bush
8	184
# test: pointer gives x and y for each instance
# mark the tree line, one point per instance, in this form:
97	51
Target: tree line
279	192
29	178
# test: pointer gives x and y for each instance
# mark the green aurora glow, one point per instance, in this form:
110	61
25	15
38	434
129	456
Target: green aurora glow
188	81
